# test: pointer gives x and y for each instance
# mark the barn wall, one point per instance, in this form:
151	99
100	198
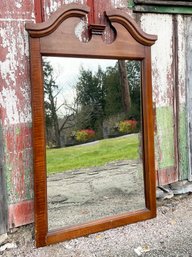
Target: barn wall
15	109
163	93
169	58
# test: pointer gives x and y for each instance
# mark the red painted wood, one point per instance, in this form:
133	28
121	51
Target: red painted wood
96	15
167	176
9	10
20	214
19	160
39	10
16	156
91	15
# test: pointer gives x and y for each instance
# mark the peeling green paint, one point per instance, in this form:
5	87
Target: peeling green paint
18	163
8	170
28	166
164	137
5	166
183	148
17	130
131	4
165	152
3	193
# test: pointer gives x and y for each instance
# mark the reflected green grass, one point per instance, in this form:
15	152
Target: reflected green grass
96	154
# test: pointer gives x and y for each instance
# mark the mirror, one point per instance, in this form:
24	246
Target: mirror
93	133
93	139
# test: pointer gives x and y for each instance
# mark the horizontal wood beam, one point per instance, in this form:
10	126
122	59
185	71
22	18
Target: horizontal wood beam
164	2
163	9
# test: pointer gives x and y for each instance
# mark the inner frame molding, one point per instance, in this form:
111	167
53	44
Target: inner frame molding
56	37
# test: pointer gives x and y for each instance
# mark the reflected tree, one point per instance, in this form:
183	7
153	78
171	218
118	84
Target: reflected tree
55	124
109	92
91	97
50	88
123	72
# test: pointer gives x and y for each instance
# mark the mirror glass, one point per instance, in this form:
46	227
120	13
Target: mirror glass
93	139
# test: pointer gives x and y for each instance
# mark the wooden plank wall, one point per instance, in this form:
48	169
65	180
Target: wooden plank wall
163	94
15	110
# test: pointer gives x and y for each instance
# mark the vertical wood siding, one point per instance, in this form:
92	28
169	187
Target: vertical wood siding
183	58
163	93
15	106
188	80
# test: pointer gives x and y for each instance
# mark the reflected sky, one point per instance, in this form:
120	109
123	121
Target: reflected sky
66	73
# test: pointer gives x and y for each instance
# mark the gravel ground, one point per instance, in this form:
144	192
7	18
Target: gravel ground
168	235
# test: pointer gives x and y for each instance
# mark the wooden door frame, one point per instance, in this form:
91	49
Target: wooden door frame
56	37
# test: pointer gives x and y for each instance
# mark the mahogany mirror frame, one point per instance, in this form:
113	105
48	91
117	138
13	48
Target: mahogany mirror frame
56	37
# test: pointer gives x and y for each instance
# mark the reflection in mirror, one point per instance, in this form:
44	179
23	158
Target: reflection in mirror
94	139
